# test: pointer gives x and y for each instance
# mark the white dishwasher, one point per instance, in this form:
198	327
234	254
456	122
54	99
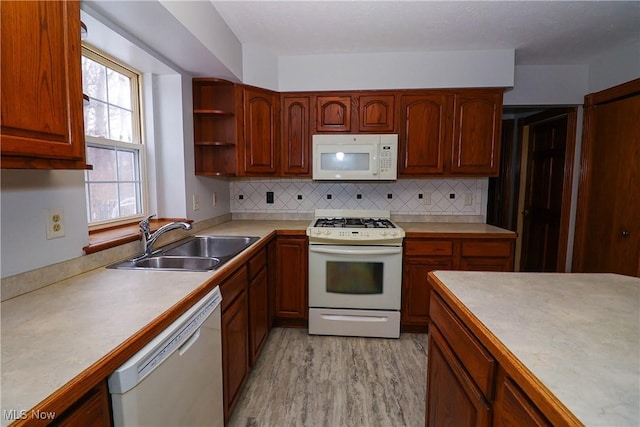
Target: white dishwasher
176	379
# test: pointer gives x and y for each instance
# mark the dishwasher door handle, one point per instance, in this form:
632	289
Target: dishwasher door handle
187	345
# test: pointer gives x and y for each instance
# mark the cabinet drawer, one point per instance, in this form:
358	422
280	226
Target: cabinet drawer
233	286
477	361
257	262
428	247
487	248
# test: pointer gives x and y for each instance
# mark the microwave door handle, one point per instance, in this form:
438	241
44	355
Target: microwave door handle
374	169
382	251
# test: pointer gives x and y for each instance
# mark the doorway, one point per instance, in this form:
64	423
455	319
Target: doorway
535	186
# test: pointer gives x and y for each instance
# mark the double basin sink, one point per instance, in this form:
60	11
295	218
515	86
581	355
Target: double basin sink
196	253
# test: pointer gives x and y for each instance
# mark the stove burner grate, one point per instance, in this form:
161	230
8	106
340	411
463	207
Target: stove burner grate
354	223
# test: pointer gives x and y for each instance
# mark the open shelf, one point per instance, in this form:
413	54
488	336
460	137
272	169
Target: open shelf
214	126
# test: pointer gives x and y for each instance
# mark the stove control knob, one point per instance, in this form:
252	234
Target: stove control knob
393	233
327	232
384	233
317	231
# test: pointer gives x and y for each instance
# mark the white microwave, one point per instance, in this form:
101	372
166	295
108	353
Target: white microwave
355	157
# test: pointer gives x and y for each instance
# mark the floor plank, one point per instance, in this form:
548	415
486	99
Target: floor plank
303	380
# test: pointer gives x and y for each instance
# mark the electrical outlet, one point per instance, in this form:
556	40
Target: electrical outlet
468	199
55	223
213	199
196	202
426	198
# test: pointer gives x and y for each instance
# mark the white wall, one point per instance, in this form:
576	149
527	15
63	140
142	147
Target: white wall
397	70
205	23
614	67
259	67
548	85
25	195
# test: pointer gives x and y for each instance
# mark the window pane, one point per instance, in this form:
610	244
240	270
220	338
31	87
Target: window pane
119	89
127	161
103	200
121	128
94	79
96	122
104	164
128	200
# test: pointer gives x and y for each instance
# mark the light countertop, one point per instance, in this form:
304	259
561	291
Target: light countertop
579	334
52	335
454	228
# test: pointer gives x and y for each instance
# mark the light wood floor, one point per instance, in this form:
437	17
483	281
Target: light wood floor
303	380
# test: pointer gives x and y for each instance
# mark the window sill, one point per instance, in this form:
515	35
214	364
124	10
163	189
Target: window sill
100	240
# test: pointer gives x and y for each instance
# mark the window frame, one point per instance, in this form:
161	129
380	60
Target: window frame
138	137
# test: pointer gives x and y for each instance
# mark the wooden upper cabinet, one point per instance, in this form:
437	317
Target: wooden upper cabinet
259	150
376	113
215	126
296	136
333	114
424	133
476	133
41	79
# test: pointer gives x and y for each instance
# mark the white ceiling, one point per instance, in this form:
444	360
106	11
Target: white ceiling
541	32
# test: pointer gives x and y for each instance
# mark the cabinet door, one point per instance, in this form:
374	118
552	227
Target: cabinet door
333	114
476	138
235	348
424	133
259	150
41	80
296	136
376	113
513	407
92	410
416	291
452	397
292	306
258	314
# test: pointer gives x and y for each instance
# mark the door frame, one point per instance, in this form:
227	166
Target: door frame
567	181
591	101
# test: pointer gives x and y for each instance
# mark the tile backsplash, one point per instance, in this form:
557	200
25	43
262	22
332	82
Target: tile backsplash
403	197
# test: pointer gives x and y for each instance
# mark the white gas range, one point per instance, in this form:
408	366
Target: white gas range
355	273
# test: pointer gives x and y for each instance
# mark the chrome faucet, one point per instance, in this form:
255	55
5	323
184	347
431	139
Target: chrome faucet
148	238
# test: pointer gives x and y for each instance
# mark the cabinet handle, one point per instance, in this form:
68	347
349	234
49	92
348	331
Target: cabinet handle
625	234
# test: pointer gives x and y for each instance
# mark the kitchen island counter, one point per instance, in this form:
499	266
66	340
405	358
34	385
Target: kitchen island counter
572	341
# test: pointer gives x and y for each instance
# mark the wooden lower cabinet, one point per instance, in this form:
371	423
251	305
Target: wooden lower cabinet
513	407
416	290
235	338
291	299
452	397
469	386
425	254
92	410
258	315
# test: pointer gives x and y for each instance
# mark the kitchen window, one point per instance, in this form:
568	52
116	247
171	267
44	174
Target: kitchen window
115	187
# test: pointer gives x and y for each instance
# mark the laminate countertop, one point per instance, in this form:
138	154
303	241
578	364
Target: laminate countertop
577	334
54	336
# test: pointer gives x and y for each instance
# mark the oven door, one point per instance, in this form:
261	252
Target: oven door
359	277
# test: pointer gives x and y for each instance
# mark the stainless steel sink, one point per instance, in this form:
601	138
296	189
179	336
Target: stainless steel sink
178	263
196	253
210	246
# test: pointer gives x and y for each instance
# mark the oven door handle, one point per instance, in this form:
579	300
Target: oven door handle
382	251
